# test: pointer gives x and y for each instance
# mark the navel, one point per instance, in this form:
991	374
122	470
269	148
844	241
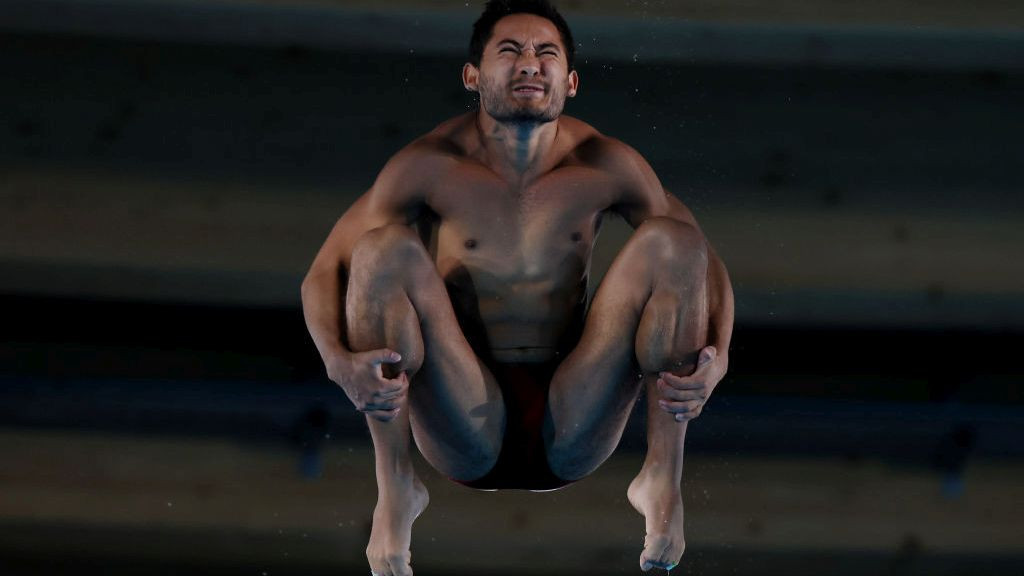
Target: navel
576	236
470	244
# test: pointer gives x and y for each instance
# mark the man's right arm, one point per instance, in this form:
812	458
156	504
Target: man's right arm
324	287
394	198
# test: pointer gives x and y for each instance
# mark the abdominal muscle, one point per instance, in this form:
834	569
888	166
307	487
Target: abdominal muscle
530	326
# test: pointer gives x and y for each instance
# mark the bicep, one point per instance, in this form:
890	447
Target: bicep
391	200
352	224
642	195
678	211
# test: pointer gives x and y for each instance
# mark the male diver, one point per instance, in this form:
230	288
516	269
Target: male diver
450	300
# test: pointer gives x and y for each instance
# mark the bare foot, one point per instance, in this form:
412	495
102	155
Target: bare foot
399	503
661	503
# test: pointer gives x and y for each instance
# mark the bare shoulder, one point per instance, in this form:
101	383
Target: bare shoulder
639	193
619	160
410	174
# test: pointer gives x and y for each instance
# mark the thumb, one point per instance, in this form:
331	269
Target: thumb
707	355
385	356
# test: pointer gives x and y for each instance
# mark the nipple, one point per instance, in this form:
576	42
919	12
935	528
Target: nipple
470	244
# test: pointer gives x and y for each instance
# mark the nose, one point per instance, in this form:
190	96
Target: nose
528	63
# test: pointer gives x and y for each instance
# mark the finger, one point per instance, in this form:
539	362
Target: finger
384	405
384	395
680	407
693	382
674	394
687	416
391	385
389	403
384	415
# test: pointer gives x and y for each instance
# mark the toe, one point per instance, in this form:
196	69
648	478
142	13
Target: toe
654	548
660	552
379	569
399	564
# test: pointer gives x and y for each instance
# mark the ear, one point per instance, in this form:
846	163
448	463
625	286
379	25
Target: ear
471	77
574	84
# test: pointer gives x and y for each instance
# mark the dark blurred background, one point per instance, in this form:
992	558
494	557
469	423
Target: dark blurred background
168	169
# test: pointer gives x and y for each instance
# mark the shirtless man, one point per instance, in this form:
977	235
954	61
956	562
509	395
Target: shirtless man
451	299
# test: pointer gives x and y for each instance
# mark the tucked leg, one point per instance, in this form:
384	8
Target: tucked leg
649	315
396	300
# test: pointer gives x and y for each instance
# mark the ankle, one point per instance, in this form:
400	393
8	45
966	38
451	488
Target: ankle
660	473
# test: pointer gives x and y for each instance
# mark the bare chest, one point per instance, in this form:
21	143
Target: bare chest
542	233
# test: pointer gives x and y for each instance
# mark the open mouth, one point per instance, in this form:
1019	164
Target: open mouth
528	90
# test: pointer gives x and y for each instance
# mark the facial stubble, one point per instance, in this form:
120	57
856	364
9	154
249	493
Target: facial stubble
497	101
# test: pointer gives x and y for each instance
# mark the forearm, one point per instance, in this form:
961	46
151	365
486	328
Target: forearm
323	307
720	304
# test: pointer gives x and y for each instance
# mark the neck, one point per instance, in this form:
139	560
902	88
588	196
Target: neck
516	148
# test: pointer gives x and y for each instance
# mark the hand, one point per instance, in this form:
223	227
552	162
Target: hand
685	396
361	376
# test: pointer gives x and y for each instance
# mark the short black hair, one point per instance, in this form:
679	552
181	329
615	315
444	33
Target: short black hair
497	9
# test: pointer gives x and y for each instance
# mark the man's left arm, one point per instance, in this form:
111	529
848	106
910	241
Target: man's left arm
643	198
713	361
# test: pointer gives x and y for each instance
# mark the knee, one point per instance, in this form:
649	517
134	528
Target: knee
672	247
391	246
573	453
573	462
671	239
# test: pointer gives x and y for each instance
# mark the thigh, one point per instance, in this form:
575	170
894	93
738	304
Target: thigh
593	390
396	298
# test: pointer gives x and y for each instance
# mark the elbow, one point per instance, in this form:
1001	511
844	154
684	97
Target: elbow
308	283
316	280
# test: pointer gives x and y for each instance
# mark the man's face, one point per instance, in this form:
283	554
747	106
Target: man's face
523	75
